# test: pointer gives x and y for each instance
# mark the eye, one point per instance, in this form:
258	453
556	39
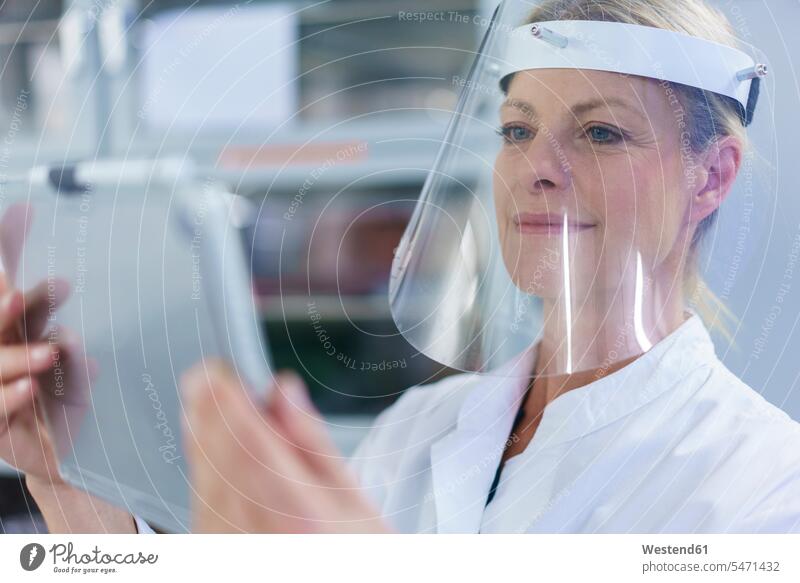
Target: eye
513	134
603	135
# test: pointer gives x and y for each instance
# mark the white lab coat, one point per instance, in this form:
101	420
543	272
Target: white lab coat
672	442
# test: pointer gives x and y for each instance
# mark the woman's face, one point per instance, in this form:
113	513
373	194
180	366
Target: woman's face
592	164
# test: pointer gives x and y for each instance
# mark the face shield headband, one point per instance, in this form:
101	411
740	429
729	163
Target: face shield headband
635	50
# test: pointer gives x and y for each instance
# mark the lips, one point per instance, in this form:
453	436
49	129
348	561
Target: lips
548	224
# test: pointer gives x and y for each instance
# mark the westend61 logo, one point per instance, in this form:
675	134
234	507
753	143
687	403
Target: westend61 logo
65	560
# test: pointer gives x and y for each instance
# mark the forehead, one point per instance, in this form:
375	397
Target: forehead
552	89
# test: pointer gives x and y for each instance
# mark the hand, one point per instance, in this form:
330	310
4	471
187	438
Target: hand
265	469
24	441
27	355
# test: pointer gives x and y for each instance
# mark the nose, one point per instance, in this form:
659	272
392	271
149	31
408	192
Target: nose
545	168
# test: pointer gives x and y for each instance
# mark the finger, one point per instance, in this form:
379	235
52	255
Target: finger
204	447
14	227
225	424
303	428
232	461
24	360
12	306
218	412
69	380
25	316
16	396
40	303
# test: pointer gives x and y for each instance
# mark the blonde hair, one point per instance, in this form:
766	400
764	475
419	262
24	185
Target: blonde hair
710	116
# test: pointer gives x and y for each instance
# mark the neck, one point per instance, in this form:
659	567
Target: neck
550	387
609	328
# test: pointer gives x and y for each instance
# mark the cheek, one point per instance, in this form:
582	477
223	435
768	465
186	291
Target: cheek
502	178
639	203
660	213
608	189
502	187
531	263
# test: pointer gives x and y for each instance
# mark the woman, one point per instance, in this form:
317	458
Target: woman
619	418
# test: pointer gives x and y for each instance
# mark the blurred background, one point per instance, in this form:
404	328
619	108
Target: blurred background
326	115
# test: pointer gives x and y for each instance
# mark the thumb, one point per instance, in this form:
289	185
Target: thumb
300	424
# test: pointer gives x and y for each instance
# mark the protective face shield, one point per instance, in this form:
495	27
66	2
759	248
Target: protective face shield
577	229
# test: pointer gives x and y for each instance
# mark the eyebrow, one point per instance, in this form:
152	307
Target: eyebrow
578	109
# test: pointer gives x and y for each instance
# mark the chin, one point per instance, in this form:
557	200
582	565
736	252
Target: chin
537	272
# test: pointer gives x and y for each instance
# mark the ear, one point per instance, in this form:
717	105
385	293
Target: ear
717	168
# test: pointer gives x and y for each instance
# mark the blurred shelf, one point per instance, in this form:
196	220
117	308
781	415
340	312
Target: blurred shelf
296	308
333	12
388	150
367	77
15	33
381	149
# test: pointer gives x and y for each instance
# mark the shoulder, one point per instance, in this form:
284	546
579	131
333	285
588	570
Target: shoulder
737	399
764	443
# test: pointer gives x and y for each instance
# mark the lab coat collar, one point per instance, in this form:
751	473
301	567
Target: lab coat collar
464	461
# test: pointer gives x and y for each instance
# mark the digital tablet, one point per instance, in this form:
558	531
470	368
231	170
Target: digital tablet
142	281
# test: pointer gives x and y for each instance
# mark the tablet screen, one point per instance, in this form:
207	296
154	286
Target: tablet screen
141	283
